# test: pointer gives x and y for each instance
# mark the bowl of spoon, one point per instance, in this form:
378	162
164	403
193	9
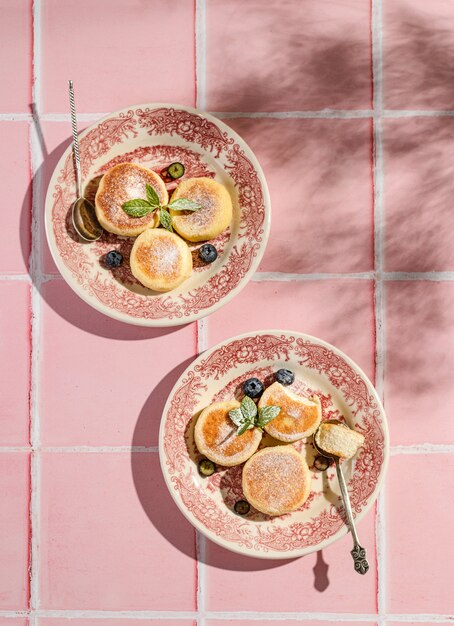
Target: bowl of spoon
83	212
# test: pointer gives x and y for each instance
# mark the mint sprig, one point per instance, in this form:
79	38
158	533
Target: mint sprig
246	416
139	207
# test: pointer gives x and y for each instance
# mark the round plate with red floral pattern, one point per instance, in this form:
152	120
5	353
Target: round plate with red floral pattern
155	135
208	502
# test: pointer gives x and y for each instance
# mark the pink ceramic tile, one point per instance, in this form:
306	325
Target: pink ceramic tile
420	361
15	351
419	186
418	54
13	621
14	531
15	182
104	382
15	60
144	52
338	311
236	583
277	57
111	537
419	534
56	137
320	181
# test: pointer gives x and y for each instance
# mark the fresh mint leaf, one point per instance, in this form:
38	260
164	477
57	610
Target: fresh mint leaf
248	408
237	417
267	414
152	196
183	204
165	219
243	423
247	426
137	207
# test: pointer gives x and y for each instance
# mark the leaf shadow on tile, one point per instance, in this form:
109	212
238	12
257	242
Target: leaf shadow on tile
162	510
418	58
90	320
314	66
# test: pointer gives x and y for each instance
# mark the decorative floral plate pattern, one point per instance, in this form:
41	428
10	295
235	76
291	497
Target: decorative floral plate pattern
345	393
154	136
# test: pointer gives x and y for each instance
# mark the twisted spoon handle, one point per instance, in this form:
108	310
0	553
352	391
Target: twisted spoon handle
72	107
358	553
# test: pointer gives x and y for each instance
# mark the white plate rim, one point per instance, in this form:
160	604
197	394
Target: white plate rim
343	529
162	322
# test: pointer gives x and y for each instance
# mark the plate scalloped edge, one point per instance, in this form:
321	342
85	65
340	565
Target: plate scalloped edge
188	126
299	538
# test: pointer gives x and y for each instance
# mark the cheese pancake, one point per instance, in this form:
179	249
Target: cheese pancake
299	417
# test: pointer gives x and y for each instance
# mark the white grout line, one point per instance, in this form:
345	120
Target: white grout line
259	277
377	71
15	117
200	53
422	448
435	276
229	615
393	113
321	114
21	277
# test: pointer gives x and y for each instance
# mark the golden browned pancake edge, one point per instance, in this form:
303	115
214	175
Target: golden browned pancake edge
160	259
276	480
214	216
299	416
215	436
123	182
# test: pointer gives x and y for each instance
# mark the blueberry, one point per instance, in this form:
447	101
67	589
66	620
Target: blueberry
242	507
285	377
208	253
113	259
253	387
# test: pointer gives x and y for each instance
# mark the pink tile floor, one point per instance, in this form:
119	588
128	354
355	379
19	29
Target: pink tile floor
349	107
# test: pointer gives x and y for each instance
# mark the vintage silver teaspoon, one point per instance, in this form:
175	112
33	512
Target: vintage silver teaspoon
358	553
83	212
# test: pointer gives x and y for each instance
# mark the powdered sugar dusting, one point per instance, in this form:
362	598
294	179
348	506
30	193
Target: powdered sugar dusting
161	256
277	479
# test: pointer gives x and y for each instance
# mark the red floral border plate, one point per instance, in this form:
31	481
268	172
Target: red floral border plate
345	393
155	135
